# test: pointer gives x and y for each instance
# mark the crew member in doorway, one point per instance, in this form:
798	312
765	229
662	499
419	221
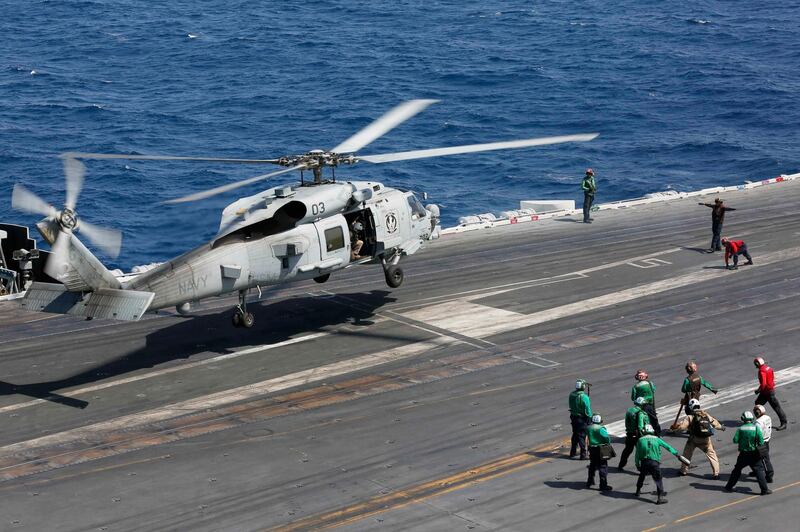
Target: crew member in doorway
589	187
599	440
749	438
764	422
766	390
580	414
694	383
356	231
734	248
717	217
700	425
645	388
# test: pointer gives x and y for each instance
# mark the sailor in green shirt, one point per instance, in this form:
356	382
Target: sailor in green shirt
580	414
635	421
693	384
645	388
648	460
589	187
598	436
750	438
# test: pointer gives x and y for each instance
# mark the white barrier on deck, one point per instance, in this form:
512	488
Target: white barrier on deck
622	204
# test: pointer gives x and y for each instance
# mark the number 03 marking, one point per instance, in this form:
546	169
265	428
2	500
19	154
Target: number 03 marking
317	208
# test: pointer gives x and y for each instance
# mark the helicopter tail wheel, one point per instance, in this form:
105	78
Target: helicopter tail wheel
322	278
394	276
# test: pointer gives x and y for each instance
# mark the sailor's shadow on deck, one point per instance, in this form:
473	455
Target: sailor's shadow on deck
184	338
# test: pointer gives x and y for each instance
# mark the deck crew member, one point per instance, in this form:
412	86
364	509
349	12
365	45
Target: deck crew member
648	461
749	438
589	187
764	422
635	421
718	211
700	425
645	388
734	248
580	414
598	440
766	390
694	383
356	230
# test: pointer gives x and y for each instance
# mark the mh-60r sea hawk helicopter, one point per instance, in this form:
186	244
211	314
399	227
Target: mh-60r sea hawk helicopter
285	233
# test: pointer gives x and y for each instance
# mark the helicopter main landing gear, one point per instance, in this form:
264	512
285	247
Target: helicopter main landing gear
393	272
242	318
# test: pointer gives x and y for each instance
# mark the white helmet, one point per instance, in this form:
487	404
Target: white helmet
694	404
597	418
648	429
747	416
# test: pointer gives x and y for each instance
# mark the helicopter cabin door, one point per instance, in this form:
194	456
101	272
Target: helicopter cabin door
334	241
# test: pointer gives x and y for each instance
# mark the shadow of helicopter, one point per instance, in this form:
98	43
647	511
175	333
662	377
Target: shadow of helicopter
213	333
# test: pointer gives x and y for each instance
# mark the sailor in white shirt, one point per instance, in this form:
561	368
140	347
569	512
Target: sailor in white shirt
765	422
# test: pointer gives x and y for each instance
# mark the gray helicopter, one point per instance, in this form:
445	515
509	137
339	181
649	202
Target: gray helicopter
286	233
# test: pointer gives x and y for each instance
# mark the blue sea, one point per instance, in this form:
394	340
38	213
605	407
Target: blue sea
683	94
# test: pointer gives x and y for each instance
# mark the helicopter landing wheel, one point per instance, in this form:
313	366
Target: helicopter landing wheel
236	319
394	276
243	319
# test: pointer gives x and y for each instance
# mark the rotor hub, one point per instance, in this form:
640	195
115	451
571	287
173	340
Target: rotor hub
68	218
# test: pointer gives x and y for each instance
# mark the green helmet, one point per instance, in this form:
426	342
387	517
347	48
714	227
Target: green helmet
747	416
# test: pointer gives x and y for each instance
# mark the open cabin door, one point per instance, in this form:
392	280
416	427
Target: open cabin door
334	241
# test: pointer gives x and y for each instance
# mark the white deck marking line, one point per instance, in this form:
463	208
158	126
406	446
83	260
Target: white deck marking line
242	393
156	373
725	396
488	322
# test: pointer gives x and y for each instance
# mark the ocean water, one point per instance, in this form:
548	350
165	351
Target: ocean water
684	95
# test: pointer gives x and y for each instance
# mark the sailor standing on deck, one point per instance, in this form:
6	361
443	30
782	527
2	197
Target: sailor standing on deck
589	187
648	461
693	384
700	425
717	217
766	390
764	422
580	414
749	438
599	441
635	421
645	388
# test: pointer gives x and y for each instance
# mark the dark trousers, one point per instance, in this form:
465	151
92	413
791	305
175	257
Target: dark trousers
742	251
650	410
750	459
596	463
578	434
768	469
652	468
630	446
716	230
769	397
588	199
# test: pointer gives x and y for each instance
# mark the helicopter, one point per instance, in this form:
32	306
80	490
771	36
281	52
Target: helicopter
305	230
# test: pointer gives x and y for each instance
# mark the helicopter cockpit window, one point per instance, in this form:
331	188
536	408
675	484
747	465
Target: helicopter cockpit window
417	210
334	238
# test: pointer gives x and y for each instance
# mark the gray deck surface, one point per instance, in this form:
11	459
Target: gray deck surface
440	405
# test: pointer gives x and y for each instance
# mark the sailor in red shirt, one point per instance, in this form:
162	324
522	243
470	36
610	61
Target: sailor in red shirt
734	248
766	390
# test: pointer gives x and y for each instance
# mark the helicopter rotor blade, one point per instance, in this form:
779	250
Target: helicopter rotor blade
383	125
24	200
58	260
74	171
472	148
109	240
232	186
101	156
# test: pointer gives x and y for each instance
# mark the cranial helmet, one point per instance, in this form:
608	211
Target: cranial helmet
747	416
648	429
589	171
694	404
580	384
717	200
691	367
641	375
758	362
759	410
597	418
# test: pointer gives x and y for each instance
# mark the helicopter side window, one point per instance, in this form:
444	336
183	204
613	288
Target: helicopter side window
417	210
334	238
